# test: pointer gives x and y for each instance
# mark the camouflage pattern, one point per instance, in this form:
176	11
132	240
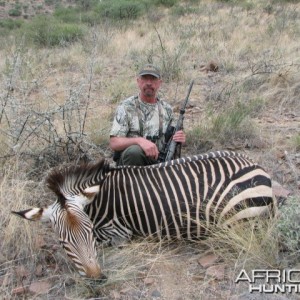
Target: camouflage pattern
127	120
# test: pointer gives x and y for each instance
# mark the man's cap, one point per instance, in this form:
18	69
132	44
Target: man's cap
150	69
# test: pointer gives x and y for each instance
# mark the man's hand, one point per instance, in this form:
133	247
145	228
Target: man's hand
179	137
121	143
149	148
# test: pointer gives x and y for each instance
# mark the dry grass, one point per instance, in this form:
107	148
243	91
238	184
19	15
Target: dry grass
247	245
257	53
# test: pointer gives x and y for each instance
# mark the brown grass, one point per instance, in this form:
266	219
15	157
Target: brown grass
258	58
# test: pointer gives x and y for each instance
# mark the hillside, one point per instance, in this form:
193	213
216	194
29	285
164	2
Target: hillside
25	9
62	75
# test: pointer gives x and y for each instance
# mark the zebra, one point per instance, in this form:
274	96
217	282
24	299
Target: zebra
178	199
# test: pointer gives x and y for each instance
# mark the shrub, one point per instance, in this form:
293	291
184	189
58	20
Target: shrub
85	4
11	24
295	141
50	2
48	32
181	10
167	3
90	18
120	10
67	15
15	12
289	224
284	1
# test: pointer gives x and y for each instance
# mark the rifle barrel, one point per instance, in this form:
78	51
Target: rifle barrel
173	144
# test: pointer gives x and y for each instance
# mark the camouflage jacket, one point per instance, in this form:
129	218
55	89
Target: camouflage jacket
135	118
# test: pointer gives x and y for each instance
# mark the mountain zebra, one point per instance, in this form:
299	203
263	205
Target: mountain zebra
179	198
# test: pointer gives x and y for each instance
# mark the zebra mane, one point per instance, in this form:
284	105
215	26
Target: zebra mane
71	180
182	160
205	156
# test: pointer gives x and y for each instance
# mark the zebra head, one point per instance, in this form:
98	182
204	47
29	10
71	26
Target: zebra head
69	221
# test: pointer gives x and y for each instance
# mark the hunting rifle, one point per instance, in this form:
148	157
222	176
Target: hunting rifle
170	146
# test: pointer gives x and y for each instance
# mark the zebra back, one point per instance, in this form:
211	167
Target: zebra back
180	197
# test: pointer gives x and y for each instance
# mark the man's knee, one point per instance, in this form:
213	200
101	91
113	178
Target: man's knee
132	156
133	150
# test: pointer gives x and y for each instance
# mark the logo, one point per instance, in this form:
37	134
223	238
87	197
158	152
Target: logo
271	281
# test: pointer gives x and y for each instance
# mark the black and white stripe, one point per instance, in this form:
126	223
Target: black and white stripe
178	198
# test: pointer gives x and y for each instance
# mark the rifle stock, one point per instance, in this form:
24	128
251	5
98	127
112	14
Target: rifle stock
170	147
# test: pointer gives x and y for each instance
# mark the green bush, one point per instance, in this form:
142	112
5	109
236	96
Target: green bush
289	224
75	15
181	10
67	15
15	12
11	23
121	10
295	141
85	4
48	32
285	1
90	18
50	2
167	3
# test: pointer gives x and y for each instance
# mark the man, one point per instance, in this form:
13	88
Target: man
138	131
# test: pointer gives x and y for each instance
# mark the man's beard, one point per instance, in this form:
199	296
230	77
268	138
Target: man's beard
149	92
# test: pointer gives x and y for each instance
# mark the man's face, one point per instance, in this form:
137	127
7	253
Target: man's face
148	85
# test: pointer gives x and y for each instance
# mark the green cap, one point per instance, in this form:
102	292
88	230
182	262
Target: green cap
150	70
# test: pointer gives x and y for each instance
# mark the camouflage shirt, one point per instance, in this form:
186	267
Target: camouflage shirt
135	118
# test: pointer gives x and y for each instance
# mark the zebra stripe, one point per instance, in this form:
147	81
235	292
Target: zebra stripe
75	233
179	197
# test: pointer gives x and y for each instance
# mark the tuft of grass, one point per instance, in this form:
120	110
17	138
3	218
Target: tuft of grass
17	238
289	225
232	124
199	142
295	141
246	245
120	10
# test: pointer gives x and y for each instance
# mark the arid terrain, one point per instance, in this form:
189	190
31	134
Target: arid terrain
57	104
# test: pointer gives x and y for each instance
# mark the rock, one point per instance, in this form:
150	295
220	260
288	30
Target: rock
211	66
39	270
125	291
207	260
149	281
279	191
156	294
40	287
19	290
115	295
218	272
22	272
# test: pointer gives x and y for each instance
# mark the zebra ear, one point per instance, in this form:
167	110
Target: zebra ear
92	190
33	214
